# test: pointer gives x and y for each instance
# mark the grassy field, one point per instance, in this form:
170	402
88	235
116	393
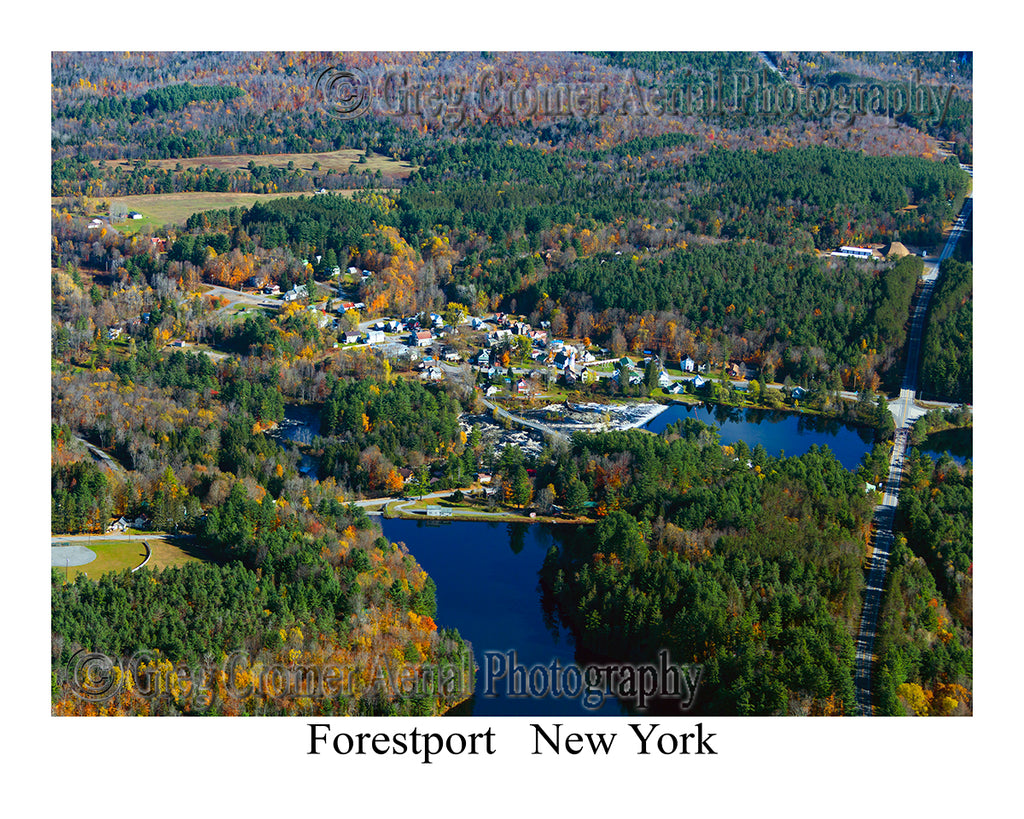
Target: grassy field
160	209
117	555
337	161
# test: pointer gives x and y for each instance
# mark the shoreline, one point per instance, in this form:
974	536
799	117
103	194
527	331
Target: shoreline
620	416
653	412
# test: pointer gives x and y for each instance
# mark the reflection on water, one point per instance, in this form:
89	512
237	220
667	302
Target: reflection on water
957	443
488	588
487	574
779	432
300	425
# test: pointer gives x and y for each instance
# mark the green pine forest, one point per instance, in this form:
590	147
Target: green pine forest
654	237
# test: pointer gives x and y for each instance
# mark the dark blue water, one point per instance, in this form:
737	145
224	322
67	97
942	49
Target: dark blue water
300	424
778	432
487	573
487	587
957	443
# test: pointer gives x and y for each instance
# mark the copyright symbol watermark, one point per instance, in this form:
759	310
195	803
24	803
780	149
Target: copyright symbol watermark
94	677
143	667
346	91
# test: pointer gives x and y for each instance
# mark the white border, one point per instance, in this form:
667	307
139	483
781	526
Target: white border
802	766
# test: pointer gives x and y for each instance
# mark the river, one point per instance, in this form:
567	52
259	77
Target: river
300	424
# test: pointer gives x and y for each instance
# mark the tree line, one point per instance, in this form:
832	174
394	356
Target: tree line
747	564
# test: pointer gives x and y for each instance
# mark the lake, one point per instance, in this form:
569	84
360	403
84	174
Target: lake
957	443
487	587
487	573
777	431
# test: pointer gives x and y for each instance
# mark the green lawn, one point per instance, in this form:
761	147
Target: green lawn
174	208
111	556
117	555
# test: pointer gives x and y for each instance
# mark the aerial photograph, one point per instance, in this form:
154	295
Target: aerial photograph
546	384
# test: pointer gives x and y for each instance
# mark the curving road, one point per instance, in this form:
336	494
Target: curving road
103	457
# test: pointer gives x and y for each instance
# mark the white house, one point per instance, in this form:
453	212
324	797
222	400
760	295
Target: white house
483	358
855	252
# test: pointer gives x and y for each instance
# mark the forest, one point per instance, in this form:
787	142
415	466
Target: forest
777	306
368	427
748	564
947	363
571	224
672	235
926	624
320	588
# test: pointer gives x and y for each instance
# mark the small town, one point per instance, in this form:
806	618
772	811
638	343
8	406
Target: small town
342	388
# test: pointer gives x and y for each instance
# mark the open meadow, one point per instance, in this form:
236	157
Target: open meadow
336	161
117	555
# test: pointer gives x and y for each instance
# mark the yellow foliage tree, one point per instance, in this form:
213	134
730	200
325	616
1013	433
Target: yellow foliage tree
914	697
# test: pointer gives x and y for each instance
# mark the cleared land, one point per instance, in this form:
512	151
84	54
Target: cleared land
117	555
338	161
160	209
174	208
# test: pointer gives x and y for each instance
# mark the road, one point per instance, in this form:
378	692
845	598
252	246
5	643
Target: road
882	539
523	422
457	373
55	539
102	457
906	412
237	298
405	502
905	408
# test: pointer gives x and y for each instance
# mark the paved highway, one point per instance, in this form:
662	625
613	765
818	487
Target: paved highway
906	412
102	457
